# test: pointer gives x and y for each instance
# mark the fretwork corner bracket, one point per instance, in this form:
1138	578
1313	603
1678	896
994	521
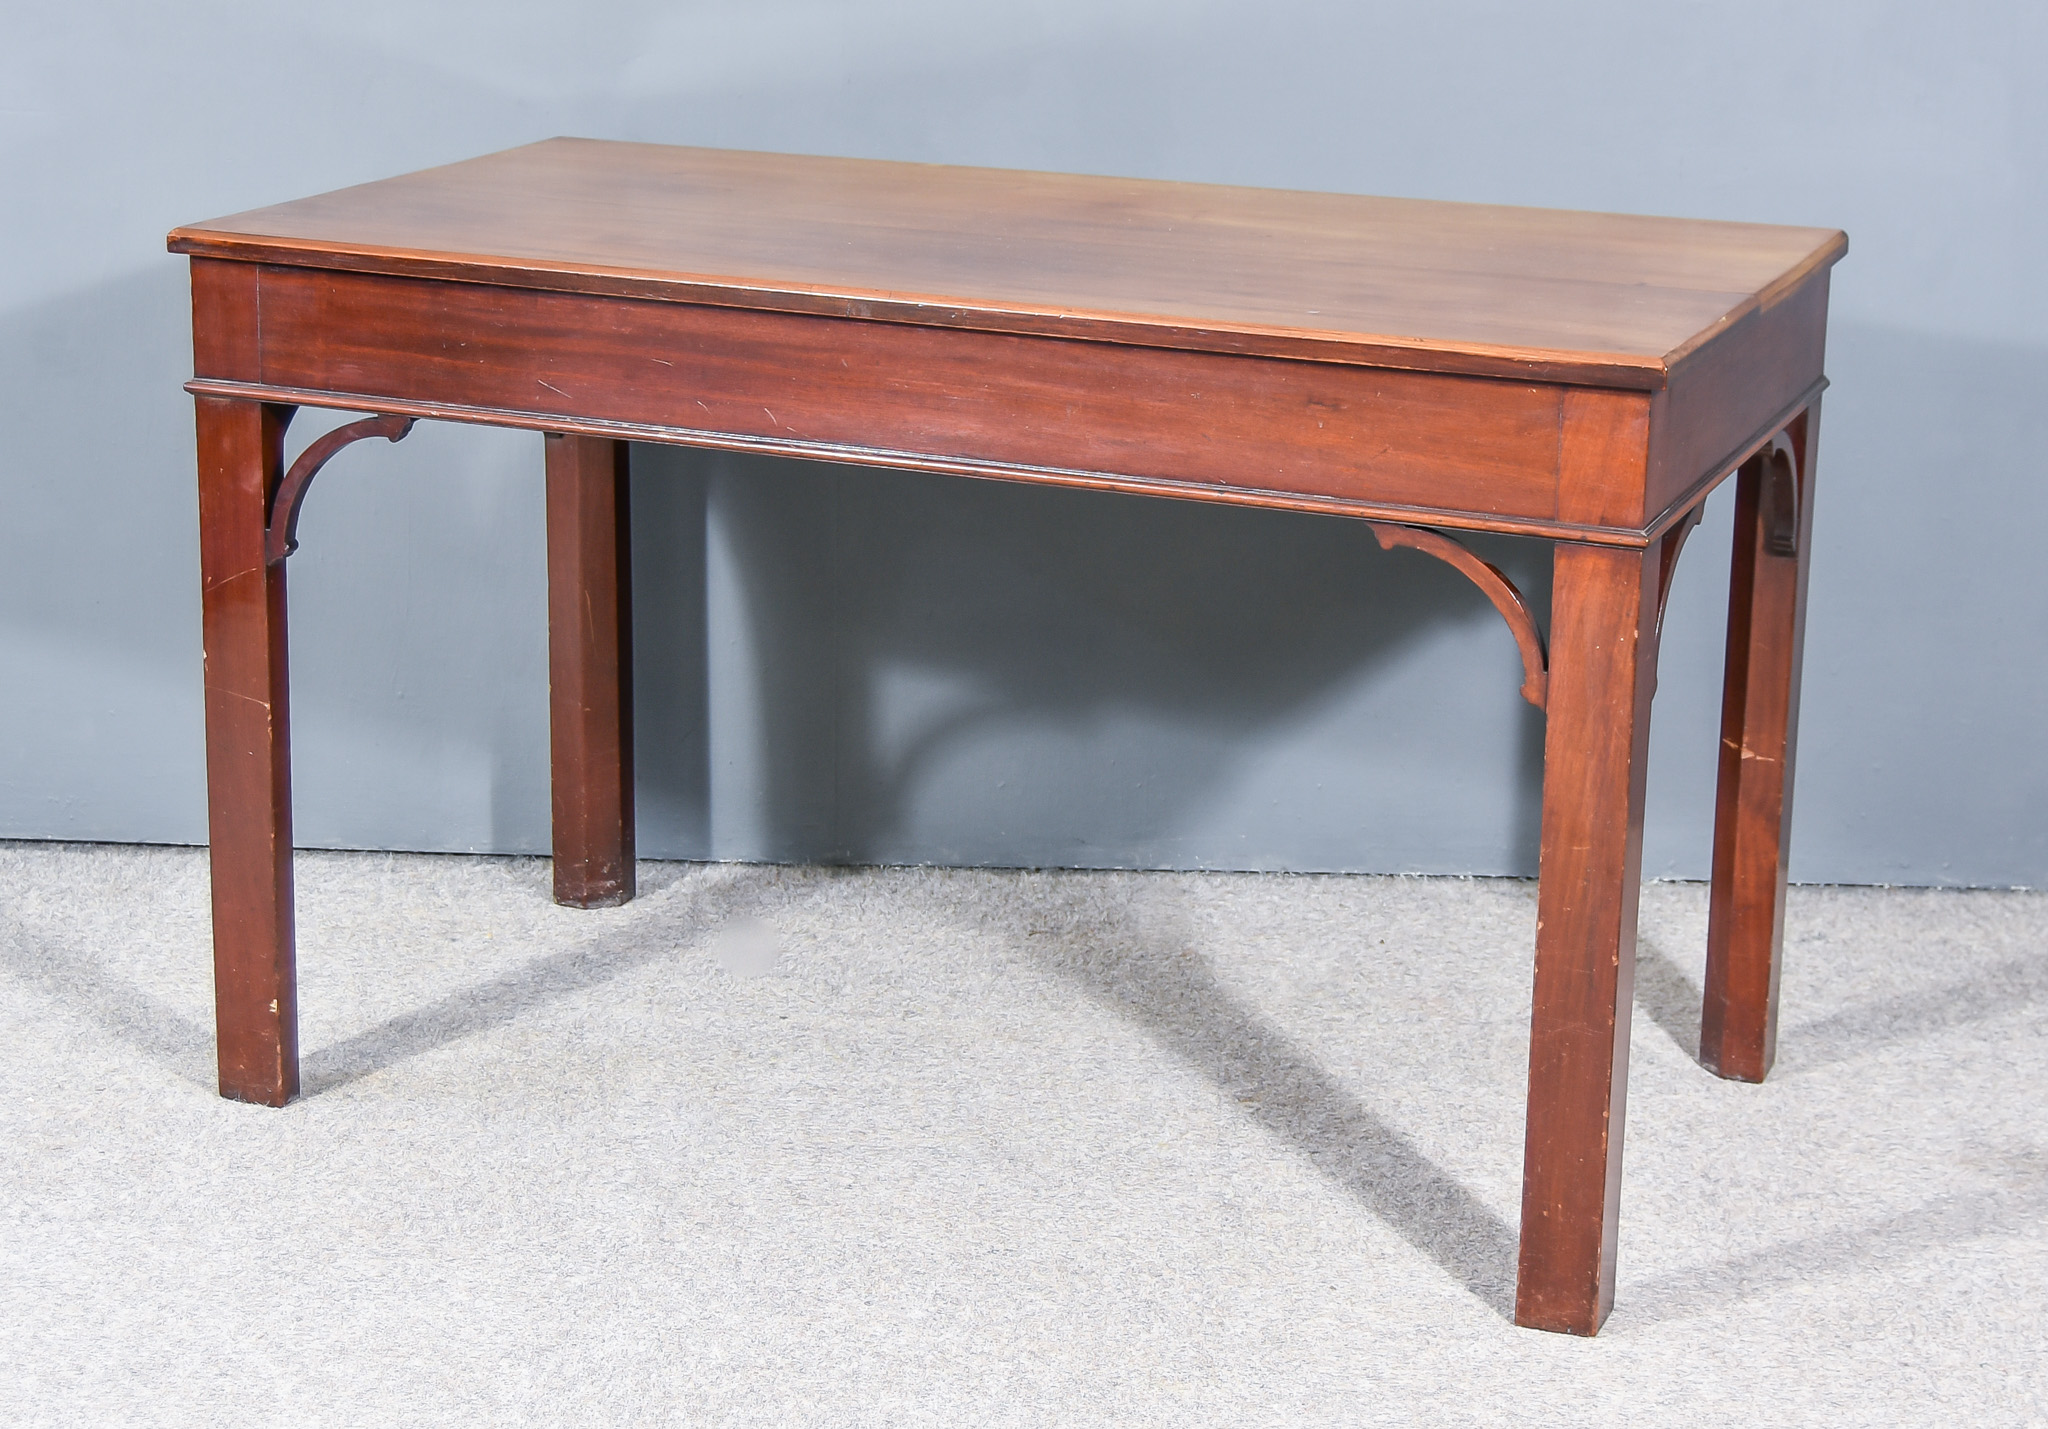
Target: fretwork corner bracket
280	537
1495	586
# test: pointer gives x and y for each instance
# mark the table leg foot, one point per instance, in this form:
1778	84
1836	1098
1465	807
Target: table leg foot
1602	672
590	670
1759	722
248	752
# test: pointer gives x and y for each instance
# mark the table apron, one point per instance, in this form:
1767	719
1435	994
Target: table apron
1531	458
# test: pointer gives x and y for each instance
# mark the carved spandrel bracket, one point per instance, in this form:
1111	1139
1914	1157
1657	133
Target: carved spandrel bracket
1667	551
1780	496
280	537
1495	586
1667	566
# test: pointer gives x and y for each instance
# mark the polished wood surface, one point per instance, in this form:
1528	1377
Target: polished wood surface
1533	459
248	751
1391	282
1582	378
1759	734
1009	405
1603	652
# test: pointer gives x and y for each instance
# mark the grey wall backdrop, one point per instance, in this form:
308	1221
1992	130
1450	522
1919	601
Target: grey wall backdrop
842	664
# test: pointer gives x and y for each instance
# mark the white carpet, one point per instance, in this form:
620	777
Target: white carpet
800	1146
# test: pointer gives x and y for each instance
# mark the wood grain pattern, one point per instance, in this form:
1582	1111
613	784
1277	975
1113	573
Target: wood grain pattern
248	752
1603	443
1186	418
225	320
1612	299
1759	728
590	670
436	410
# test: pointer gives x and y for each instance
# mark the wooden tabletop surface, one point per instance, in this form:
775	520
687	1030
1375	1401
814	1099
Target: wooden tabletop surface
1576	297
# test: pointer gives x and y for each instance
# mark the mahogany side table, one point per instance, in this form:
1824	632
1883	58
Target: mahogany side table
1584	379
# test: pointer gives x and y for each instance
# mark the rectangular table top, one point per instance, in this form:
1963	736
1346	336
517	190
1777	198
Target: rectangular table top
1597	299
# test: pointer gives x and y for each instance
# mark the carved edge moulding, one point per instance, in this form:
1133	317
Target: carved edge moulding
1432	518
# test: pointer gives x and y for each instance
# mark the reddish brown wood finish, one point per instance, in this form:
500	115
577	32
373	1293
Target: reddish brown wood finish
1729	395
1529	294
1493	584
1603	661
248	752
1581	377
282	537
590	670
1024	405
1536	459
1759	727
